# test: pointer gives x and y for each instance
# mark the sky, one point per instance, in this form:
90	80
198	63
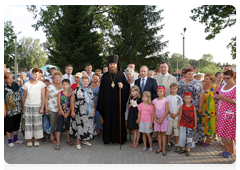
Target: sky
176	17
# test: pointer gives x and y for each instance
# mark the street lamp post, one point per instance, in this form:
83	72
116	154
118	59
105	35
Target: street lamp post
15	36
183	34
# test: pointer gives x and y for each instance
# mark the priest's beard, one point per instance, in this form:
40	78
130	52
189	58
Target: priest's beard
113	70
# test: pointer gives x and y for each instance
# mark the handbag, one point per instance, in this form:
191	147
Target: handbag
46	124
10	104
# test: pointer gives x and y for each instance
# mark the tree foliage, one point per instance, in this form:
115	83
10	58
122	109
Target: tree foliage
75	34
31	54
9	45
233	45
178	58
216	18
209	68
135	38
194	63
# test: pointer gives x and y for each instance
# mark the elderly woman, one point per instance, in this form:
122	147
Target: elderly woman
95	88
33	105
51	106
209	108
77	79
189	84
226	113
83	112
129	72
22	81
13	108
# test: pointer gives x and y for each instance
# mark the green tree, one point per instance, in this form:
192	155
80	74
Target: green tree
204	61
31	54
216	18
209	68
178	58
9	45
194	63
135	37
74	33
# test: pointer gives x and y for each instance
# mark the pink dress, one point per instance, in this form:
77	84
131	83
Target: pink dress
160	111
226	114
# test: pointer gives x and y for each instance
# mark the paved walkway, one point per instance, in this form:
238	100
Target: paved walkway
99	153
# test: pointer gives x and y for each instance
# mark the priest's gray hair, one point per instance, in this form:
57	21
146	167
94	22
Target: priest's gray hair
129	70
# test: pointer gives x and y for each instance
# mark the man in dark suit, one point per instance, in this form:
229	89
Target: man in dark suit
146	83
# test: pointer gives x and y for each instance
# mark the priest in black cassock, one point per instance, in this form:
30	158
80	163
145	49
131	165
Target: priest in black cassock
108	102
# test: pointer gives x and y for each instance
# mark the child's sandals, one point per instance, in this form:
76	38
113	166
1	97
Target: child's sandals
150	150
164	154
57	147
70	143
158	151
144	149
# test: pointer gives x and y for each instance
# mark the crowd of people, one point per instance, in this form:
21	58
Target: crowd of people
191	111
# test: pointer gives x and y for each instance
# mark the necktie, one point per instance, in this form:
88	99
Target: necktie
162	79
142	87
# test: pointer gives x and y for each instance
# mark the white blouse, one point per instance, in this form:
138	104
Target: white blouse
34	97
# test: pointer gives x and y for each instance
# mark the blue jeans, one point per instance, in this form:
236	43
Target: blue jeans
97	118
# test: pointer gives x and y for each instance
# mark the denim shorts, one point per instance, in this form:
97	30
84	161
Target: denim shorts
61	121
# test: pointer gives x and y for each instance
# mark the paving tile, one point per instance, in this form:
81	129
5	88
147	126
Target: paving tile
99	153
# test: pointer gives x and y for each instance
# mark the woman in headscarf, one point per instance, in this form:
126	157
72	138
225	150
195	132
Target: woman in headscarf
33	104
83	112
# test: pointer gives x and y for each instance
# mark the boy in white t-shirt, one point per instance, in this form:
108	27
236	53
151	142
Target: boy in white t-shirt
175	105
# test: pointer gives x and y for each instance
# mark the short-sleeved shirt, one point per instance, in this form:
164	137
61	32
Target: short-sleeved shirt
14	91
53	97
194	87
175	102
34	97
160	104
146	112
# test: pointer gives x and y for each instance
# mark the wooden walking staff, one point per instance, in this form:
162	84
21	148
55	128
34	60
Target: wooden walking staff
120	116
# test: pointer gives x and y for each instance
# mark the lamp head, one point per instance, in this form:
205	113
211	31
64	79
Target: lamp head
184	29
